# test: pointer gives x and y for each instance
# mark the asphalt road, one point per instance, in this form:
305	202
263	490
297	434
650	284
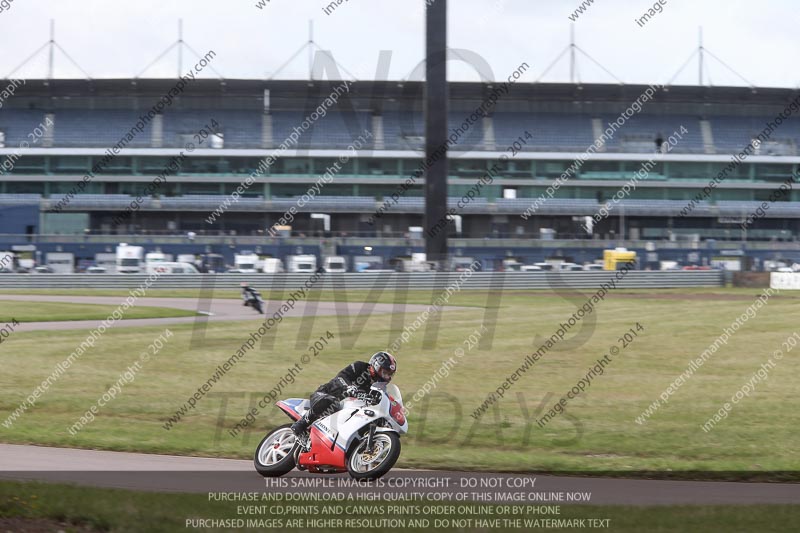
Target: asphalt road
166	473
218	310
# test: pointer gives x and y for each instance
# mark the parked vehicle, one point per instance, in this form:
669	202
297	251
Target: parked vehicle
8	262
130	259
301	263
417	262
245	263
618	258
106	261
511	265
774	265
171	267
461	263
61	262
368	263
272	265
335	263
211	263
157	257
96	270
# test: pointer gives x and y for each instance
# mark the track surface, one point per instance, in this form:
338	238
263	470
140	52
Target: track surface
218	310
165	473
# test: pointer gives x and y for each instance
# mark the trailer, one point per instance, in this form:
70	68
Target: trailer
60	262
335	263
245	263
8	262
301	263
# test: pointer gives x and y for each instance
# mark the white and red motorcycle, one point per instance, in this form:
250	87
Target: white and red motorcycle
362	438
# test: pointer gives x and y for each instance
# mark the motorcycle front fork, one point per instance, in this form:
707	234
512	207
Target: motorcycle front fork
370	437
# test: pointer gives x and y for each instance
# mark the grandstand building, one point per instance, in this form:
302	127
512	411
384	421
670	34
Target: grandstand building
80	159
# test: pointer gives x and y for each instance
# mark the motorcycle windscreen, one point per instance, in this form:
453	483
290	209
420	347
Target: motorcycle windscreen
393	391
396	409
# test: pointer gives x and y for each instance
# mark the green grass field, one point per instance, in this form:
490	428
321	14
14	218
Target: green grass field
597	432
24	311
119	511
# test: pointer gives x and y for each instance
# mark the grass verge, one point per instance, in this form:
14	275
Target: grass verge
596	433
26	311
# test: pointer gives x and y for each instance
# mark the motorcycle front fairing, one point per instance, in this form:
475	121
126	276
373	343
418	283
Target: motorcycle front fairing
397	418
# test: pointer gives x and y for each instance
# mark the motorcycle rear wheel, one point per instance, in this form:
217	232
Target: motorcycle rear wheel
365	466
274	456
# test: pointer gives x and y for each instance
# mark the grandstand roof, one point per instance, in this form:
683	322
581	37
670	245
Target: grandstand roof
291	91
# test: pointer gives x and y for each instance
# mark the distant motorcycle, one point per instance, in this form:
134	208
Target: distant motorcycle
362	438
253	299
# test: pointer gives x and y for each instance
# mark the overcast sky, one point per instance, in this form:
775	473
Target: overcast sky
111	38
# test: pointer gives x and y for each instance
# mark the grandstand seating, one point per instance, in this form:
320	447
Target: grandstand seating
732	134
550	131
331	131
239	128
640	132
18	123
102	128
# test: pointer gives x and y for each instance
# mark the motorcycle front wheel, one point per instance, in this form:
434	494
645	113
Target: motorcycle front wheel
275	454
258	307
363	465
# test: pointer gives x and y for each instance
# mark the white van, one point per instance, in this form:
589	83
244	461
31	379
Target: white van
170	267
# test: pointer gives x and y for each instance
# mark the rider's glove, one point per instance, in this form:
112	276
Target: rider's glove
375	397
351	391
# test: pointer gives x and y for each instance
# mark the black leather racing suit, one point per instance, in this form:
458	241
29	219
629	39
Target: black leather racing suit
325	400
249	293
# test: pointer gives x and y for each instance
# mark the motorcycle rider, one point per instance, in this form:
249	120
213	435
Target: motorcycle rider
355	378
248	292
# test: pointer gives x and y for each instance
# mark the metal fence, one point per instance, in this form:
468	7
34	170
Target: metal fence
635	279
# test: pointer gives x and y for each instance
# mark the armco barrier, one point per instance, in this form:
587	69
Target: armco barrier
635	279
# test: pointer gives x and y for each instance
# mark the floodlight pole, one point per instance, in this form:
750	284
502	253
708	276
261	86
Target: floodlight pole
572	53
311	50
180	48
436	222
700	60
51	56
